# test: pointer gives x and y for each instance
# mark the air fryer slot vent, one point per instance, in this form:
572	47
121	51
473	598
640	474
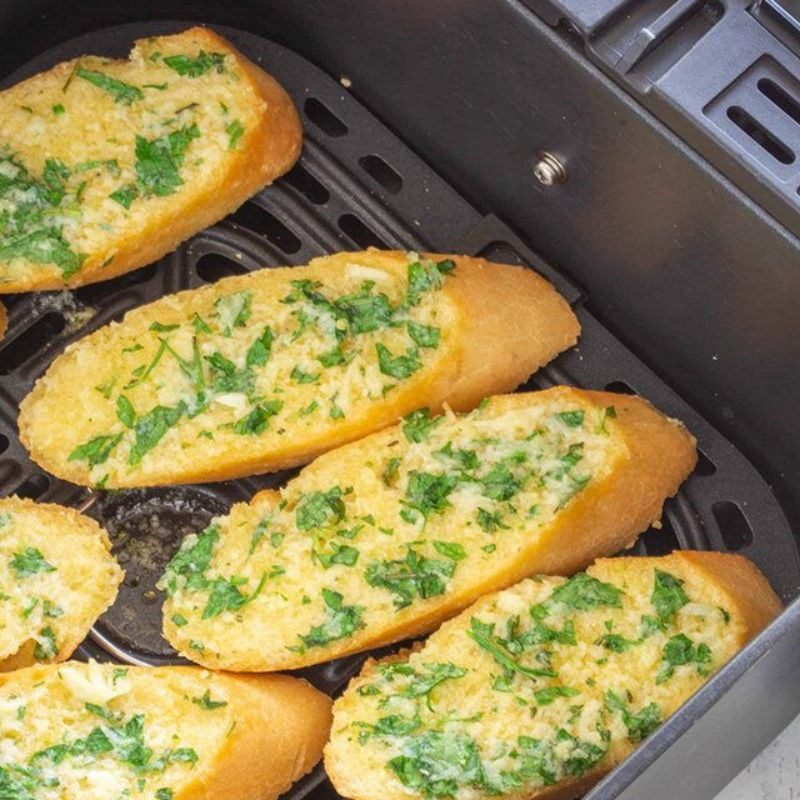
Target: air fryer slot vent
760	135
621	387
34	487
778	95
359	232
255	218
213	266
383	173
733	525
705	466
31	342
301	179
324	118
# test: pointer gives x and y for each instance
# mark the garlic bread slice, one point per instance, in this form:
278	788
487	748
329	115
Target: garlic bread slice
537	691
384	538
107	165
166	733
266	370
57	576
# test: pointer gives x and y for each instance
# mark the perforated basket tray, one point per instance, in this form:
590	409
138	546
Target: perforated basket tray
356	186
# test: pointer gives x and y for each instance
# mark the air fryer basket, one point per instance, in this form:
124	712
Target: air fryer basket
357	185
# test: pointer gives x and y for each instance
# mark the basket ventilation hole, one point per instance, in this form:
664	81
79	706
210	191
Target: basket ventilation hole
259	220
661	541
3	443
780	97
383	173
324	118
33	487
620	387
502	253
705	466
304	182
760	135
213	266
96	293
733	525
353	227
34	339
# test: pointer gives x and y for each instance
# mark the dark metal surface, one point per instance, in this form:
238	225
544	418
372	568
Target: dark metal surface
338	198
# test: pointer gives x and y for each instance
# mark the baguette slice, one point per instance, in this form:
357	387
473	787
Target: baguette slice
264	371
537	691
385	538
57	576
181	733
107	165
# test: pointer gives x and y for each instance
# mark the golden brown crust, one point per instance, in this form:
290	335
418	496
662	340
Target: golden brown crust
655	455
749	591
510	322
264	154
282	724
286	722
602	520
750	601
70	529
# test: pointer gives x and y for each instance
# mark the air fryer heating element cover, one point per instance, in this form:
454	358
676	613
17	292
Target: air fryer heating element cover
358	185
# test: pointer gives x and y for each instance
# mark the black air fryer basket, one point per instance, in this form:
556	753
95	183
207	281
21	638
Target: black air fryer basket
638	153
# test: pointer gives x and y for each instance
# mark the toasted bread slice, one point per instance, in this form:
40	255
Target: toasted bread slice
107	165
264	371
102	731
537	691
57	576
384	538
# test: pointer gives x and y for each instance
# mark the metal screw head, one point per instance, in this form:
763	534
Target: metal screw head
549	170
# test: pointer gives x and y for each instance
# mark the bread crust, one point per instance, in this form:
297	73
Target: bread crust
82	532
264	154
655	454
282	724
510	321
3	321
750	599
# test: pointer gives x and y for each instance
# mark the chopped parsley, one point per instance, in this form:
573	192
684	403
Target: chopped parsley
397	366
96	450
668	596
158	161
342	621
639	725
122	92
207	704
316	509
415	576
195	67
681	650
418	424
235	132
151	427
29	562
423	276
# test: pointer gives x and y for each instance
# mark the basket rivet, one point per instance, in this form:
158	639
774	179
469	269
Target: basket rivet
548	169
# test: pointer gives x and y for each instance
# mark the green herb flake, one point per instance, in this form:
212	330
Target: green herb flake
158	161
235	132
96	450
342	621
397	366
668	596
418	425
125	195
30	561
195	67
207	704
122	92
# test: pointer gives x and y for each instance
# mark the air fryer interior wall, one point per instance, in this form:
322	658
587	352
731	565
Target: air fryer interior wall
634	224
